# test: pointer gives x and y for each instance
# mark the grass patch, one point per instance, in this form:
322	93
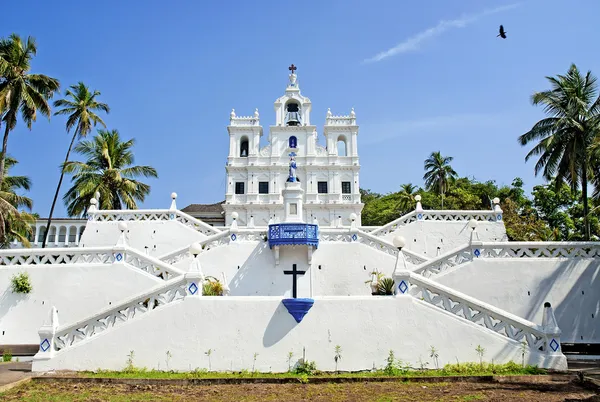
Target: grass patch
465	369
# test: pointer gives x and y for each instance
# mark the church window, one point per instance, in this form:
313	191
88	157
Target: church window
293	142
346	187
322	187
294	209
263	187
239	187
342	147
244	147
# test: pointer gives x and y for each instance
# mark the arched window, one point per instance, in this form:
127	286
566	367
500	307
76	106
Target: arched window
292	114
244	146
293	142
342	147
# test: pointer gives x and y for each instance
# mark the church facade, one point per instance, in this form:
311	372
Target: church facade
329	175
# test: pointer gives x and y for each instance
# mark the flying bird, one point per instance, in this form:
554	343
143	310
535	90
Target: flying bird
502	33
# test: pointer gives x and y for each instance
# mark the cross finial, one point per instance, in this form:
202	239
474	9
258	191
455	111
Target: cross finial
292	68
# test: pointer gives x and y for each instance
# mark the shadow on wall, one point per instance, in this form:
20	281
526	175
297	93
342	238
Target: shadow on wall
254	277
279	326
577	311
8	301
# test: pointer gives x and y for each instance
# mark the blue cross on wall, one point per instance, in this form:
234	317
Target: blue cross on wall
295	274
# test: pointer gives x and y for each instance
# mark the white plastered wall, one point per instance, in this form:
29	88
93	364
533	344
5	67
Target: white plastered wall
366	329
76	291
522	285
161	237
338	269
433	238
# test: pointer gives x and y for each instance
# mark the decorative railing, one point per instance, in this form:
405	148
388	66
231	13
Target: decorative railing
153	215
221	239
349	120
358	236
286	234
432	215
160	296
489	250
477	312
89	255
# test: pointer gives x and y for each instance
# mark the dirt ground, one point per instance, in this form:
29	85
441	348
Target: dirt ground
363	391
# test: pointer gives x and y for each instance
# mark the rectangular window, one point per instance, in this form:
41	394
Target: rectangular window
239	187
263	187
322	187
346	187
294	209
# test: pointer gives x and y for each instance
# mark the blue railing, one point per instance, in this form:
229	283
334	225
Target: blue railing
287	234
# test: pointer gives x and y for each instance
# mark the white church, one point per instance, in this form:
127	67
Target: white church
298	274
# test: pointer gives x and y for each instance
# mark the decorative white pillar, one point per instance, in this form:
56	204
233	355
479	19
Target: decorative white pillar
474	234
47	335
497	210
419	207
226	290
194	277
173	206
293	195
552	331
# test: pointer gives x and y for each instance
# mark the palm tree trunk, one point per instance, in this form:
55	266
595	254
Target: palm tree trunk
62	175
3	153
584	195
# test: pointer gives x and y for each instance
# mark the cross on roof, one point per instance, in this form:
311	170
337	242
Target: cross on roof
292	68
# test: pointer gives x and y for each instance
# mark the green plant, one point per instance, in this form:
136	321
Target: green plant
338	356
306	367
209	353
254	363
20	283
389	367
290	356
433	353
523	350
212	287
480	352
129	367
386	286
7	355
169	355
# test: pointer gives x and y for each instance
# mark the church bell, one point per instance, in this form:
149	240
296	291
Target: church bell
293	115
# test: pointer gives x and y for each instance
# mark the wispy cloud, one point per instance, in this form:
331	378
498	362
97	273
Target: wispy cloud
454	125
414	42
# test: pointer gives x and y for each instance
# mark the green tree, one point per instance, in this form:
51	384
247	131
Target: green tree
565	137
21	92
81	106
438	173
15	224
108	171
407	198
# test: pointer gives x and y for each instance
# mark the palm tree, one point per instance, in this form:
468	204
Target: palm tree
438	173
14	224
564	139
21	92
80	105
407	197
108	171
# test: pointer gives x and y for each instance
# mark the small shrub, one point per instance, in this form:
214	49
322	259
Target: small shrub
7	355
480	352
433	353
308	368
129	367
386	286
338	356
20	283
290	356
212	287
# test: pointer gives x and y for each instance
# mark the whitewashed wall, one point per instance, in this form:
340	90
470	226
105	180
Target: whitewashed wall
76	291
338	269
521	285
433	238
235	328
160	237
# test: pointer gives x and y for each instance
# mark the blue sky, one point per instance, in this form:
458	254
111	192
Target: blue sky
422	76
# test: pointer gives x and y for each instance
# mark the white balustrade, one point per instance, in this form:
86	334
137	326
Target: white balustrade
478	312
490	250
153	215
169	292
433	215
89	255
343	235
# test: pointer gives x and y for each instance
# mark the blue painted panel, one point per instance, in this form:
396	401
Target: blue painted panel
285	234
